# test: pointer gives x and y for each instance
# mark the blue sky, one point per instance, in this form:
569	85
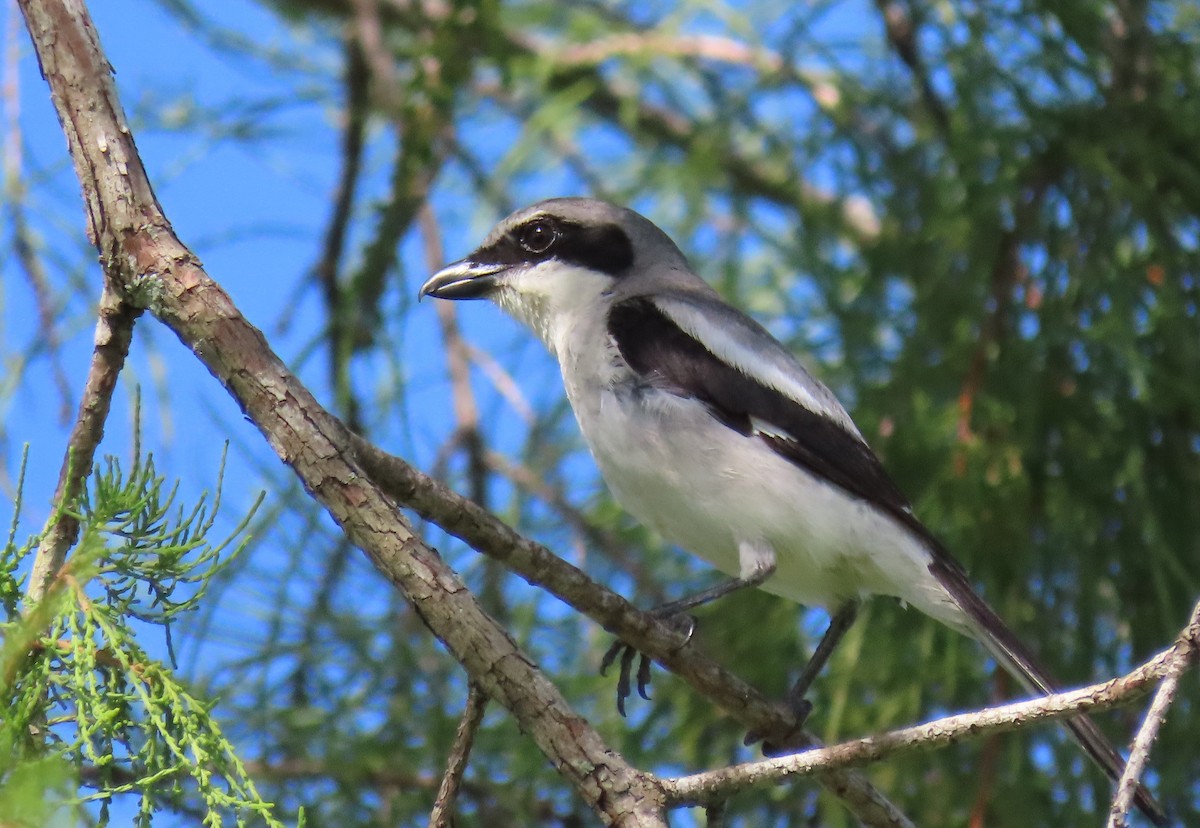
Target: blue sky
218	194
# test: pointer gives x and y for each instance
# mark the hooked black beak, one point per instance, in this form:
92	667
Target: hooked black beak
463	279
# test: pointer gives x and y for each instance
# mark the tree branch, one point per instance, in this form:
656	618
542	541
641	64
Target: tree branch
702	788
114	331
572	65
1180	657
150	267
14	191
340	333
443	807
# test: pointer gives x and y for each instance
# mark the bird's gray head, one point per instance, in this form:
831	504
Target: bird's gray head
557	259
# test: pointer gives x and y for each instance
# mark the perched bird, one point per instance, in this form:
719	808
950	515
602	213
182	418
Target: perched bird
711	432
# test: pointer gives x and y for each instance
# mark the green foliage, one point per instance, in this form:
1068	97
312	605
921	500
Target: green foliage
39	793
81	699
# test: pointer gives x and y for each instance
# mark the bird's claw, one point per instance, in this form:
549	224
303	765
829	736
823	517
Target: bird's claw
684	623
790	740
624	677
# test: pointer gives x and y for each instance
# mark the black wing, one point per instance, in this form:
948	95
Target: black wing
670	358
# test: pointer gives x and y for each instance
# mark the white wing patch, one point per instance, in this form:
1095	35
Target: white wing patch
757	355
767	430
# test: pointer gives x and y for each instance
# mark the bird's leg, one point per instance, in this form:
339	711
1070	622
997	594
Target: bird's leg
760	563
756	577
841	621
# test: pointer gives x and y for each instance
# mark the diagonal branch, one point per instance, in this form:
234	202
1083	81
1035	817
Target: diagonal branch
539	566
442	815
152	268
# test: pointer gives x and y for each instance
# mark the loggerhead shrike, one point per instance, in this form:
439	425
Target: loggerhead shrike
711	433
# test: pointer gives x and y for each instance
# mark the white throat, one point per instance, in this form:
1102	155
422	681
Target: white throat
556	301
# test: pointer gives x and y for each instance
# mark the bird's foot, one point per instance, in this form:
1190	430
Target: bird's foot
685	624
789	739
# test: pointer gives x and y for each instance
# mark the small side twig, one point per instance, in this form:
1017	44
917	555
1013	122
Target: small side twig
1185	650
456	765
1006	274
353	140
371	37
341	332
114	331
597	537
902	36
503	382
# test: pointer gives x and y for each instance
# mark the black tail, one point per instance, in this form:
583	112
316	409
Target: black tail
1008	650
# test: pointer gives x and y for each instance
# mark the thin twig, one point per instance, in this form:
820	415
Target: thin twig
902	35
333	576
14	199
442	815
659	126
648	42
114	331
658	44
423	125
353	138
770	65
369	33
485	794
503	382
700	788
989	755
1185	650
328	267
1006	274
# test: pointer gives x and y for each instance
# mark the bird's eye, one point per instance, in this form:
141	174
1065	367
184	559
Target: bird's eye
538	236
